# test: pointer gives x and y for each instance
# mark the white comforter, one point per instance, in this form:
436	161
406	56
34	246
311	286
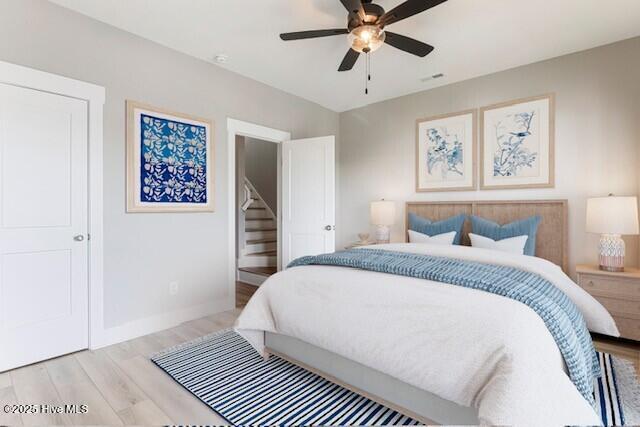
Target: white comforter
468	346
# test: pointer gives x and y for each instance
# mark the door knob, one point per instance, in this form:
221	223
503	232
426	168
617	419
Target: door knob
329	227
78	238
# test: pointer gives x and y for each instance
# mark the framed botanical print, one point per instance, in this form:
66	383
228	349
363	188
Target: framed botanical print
446	152
169	161
517	144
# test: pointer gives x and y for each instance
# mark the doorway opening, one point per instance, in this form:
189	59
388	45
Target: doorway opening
254	206
257	209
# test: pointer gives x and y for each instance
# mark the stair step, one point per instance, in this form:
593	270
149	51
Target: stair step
265	240
255	208
262	271
257	214
265	253
260	234
254	222
251	248
258	260
259	224
249	230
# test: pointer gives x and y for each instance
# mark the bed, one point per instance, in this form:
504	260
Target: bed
442	354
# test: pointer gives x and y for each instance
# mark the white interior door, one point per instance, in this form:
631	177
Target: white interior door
308	197
43	224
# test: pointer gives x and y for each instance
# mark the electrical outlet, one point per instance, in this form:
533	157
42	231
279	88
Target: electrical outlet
174	288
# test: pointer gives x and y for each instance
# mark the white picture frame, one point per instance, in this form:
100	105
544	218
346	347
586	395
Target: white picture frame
446	152
517	144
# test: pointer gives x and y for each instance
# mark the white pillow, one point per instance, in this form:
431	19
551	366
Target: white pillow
438	239
512	245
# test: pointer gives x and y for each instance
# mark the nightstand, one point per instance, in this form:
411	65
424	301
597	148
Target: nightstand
359	244
617	292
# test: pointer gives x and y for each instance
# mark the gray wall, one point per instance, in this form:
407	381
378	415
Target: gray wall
144	252
261	168
597	139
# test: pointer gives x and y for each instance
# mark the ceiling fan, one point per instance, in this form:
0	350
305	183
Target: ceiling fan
366	24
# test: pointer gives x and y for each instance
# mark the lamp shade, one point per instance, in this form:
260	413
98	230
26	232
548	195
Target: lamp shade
383	212
612	215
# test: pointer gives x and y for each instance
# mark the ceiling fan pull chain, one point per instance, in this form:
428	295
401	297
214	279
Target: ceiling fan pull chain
366	71
367	74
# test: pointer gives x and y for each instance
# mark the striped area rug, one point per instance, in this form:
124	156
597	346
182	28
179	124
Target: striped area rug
606	393
227	374
617	392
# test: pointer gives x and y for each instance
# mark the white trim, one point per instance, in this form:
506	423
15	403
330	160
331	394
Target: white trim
240	128
17	75
96	227
251	279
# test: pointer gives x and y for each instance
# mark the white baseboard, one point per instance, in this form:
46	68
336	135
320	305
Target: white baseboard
250	278
150	325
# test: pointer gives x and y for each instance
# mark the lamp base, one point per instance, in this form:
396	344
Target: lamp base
611	251
382	234
611	269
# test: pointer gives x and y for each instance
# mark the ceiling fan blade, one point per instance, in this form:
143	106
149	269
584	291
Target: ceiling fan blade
313	34
349	60
407	44
407	9
354	7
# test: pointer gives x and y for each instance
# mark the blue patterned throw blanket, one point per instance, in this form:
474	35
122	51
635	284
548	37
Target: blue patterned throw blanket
562	318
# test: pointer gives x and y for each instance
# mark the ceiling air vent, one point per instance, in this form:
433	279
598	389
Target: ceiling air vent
433	77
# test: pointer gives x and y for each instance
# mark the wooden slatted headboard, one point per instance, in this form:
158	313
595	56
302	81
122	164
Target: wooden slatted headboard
552	237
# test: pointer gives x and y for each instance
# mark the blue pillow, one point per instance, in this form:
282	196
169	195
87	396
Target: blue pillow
524	227
425	226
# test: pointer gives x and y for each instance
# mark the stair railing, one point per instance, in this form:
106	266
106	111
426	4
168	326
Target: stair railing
247	198
249	188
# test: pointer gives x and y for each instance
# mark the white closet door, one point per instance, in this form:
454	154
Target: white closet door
308	197
43	225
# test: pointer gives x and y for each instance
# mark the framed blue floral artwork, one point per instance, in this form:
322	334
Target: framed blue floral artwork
446	152
169	161
517	144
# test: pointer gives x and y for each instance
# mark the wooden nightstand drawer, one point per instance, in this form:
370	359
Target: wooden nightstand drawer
621	307
610	287
629	328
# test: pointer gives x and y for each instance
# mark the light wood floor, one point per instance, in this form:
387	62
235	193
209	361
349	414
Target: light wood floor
244	292
625	349
119	383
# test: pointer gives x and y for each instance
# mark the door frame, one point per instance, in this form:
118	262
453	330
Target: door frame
251	130
28	78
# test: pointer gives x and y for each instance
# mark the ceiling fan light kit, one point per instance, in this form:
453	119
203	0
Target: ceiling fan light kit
366	32
367	38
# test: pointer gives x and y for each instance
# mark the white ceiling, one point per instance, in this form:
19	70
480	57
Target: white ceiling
472	38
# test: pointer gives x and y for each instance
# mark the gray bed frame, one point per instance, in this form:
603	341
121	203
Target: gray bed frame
419	404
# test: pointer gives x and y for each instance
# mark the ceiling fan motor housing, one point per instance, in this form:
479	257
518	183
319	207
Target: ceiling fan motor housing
372	12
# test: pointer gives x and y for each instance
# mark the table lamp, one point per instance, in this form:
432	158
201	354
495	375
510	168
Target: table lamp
383	214
611	217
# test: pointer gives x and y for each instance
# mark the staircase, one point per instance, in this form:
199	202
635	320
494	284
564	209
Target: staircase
258	257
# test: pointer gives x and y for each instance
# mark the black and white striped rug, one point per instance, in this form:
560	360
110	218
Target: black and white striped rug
227	374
